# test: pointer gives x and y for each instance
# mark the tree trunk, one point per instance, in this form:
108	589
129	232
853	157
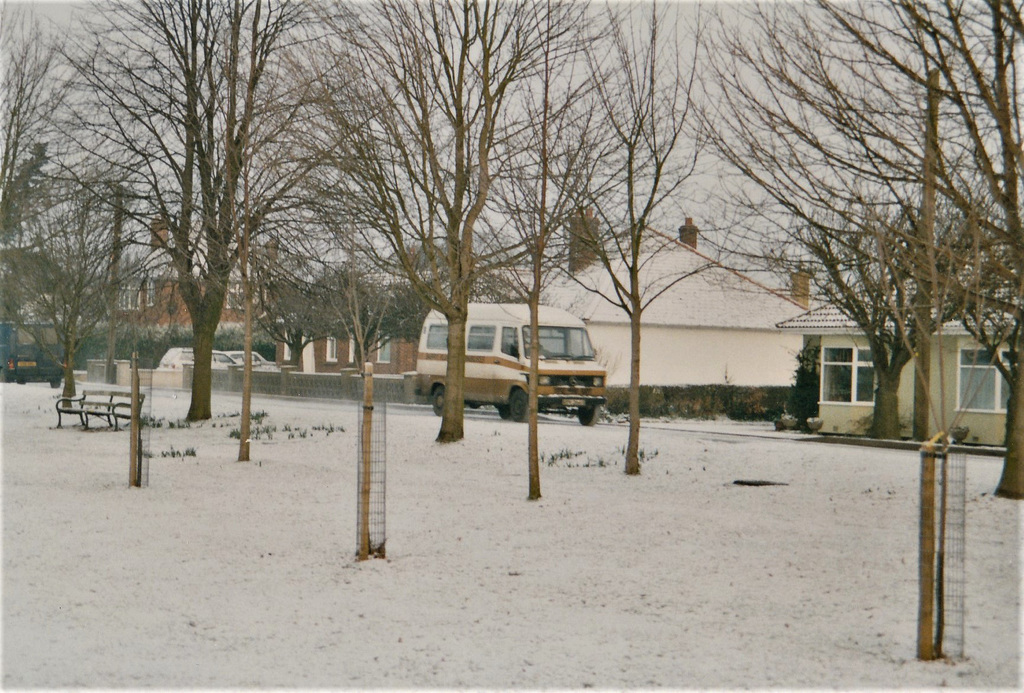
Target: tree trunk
69	376
202	334
452	429
1011	484
633	446
533	451
885	421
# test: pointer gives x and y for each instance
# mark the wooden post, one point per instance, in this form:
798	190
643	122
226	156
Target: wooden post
367	438
134	447
926	563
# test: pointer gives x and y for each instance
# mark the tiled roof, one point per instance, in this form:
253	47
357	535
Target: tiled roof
825	318
698	292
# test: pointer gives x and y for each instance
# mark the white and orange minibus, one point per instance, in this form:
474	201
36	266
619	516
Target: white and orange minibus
498	362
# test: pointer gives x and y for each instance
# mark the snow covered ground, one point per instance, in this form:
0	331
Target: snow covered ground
242	575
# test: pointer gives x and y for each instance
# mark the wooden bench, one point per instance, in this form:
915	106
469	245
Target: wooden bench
109	405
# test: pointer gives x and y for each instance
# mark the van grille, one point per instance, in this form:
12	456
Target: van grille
574	380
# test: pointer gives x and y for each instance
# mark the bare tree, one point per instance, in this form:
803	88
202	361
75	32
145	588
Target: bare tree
549	179
418	104
170	98
980	166
646	100
30	93
62	275
828	143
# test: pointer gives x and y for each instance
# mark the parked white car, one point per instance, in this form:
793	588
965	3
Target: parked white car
258	362
176	357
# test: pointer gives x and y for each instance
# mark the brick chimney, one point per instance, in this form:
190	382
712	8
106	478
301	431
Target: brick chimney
688	233
582	235
800	288
158	233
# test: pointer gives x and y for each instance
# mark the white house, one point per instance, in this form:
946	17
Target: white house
966	389
710	325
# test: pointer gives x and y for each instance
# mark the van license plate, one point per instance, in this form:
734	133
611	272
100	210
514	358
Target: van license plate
26	364
572	402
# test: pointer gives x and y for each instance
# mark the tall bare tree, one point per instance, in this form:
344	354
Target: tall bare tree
549	179
828	141
646	92
170	95
975	49
418	102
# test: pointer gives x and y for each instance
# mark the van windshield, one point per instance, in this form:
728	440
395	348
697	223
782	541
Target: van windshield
561	343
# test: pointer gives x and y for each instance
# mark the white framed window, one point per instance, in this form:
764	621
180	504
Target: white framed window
150	292
847	375
384	353
481	338
980	386
351	351
287	352
332	350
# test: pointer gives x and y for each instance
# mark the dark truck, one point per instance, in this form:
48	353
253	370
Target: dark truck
24	361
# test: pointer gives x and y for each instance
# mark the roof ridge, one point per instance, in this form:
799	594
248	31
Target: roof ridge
739	274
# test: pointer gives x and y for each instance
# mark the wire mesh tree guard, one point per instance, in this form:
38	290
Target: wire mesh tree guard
370	480
940	626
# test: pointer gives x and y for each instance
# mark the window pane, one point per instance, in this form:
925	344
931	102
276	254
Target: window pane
384	353
837	355
1004	398
977	388
509	342
481	338
437	337
865	384
864	356
837	383
975	357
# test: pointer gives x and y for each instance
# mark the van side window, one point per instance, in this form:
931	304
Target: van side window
481	338
437	337
509	342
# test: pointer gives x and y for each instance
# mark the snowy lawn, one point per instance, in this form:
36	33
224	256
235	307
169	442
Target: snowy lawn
226	574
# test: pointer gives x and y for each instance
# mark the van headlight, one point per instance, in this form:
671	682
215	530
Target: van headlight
544	380
598	381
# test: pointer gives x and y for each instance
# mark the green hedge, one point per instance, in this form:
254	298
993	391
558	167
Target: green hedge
703	401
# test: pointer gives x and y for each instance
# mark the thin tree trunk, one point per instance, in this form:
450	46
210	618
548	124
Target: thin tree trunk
534	446
925	264
633	446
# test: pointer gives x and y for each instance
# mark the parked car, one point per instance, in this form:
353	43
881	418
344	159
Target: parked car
258	362
22	360
176	357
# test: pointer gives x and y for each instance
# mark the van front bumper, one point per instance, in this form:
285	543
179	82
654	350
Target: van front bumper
568	401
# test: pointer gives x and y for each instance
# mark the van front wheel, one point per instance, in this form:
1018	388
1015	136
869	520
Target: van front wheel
437	400
518	406
588	415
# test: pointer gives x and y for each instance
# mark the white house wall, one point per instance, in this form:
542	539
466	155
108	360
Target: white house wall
698	356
